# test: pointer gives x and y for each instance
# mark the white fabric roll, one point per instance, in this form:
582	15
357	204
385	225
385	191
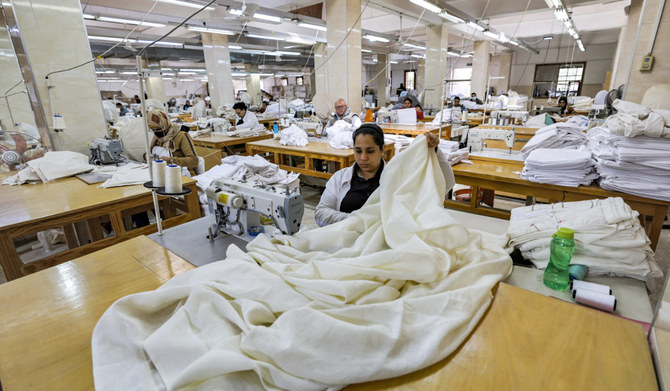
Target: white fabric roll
173	179
158	173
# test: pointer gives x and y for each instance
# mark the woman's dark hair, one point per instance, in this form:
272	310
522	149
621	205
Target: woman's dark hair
563	99
410	101
240	106
373	130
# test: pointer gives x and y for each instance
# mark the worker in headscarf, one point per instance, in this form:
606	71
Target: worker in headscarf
564	109
177	145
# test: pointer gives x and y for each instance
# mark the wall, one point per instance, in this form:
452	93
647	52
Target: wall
598	58
173	88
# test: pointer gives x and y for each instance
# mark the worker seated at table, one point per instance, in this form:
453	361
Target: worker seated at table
407	104
263	107
349	188
342	113
187	105
473	98
246	119
564	109
457	104
174	146
122	110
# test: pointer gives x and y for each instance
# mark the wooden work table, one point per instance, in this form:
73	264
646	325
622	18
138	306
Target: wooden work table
31	208
521	137
503	177
416	130
525	341
301	159
221	142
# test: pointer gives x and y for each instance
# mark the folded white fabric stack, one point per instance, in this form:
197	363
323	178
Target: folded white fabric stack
253	168
403	140
560	135
452	153
293	135
128	175
633	165
447	146
340	135
633	120
565	167
608	236
449	116
247	132
54	165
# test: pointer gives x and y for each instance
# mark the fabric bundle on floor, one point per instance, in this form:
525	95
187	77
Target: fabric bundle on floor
53	165
633	120
559	135
392	289
608	236
293	135
565	167
634	165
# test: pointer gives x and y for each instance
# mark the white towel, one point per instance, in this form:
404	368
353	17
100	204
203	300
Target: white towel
293	135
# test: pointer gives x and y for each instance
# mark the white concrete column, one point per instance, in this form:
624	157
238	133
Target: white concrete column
383	73
480	68
344	77
320	74
19	106
219	72
420	80
500	65
57	42
253	84
156	88
436	65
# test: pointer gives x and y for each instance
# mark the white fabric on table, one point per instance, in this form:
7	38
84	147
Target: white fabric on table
637	110
53	165
128	175
565	167
608	236
560	135
340	135
394	288
631	126
293	135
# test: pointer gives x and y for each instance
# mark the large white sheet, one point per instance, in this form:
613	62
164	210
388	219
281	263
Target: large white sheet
394	288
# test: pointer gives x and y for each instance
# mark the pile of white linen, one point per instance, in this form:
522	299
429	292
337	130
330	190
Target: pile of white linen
128	175
293	135
555	136
253	168
564	167
470	105
447	146
449	115
580	102
458	156
340	135
634	165
608	236
633	120
247	132
200	133
394	288
403	140
580	120
132	135
53	165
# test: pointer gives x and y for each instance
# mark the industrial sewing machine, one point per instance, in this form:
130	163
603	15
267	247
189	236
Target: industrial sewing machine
476	137
509	118
311	127
240	206
386	117
106	151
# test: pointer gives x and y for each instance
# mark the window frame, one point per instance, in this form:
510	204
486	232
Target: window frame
407	86
554	93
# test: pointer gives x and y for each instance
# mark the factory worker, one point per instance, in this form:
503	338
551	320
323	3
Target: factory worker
348	189
246	119
563	106
473	98
342	113
457	104
177	147
407	104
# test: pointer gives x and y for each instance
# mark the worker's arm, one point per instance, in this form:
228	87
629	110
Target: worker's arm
433	141
356	122
327	211
184	144
250	122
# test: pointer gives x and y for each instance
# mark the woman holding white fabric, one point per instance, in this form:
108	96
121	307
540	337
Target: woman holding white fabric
349	188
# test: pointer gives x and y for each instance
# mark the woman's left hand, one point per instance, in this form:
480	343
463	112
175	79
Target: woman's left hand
432	139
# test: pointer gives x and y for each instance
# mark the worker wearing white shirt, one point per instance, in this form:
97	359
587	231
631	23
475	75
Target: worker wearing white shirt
342	113
246	119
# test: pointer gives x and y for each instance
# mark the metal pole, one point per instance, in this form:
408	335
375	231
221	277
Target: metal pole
11	117
486	98
146	144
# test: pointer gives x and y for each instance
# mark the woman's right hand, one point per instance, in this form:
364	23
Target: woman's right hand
432	139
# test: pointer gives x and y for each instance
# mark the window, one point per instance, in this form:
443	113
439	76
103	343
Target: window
410	77
460	82
299	80
558	79
284	81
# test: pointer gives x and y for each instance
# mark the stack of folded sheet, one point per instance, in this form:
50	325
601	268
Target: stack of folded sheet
452	153
564	167
560	135
608	236
634	165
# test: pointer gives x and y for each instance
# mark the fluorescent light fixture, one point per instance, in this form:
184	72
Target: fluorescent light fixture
298	40
193	47
313	26
209	30
393	62
491	34
162	43
185	4
568	24
129	73
496	77
234	11
454	54
450	17
105	71
187	79
513	42
561	15
503	38
374	38
265	74
89	16
193	70
429	6
166	69
187	73
238	74
411	45
548	38
281	53
111	39
557	3
418	55
581	45
168	73
366	51
265	37
269	18
475	25
129	21
234	47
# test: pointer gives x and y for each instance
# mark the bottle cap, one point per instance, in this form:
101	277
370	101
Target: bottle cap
565	233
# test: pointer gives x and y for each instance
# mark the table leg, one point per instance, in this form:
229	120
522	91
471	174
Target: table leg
95	229
193	203
70	236
118	225
657	225
10	260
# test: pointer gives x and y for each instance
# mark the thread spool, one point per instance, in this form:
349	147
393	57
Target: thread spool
173	179
577	272
591	286
595	299
158	173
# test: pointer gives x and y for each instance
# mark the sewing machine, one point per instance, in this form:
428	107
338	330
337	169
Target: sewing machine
476	137
387	117
240	207
106	151
505	118
311	127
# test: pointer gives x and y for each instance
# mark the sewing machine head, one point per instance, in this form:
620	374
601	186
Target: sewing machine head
387	117
106	151
239	205
311	127
476	137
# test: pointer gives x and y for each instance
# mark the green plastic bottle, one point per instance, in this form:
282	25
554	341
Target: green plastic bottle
557	276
